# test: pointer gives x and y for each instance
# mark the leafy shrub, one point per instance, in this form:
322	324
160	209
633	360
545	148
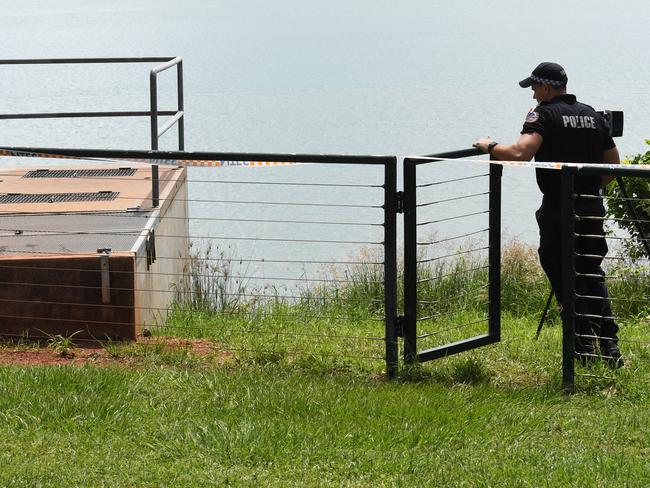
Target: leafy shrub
632	213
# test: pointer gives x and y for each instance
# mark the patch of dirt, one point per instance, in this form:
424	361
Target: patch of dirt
22	356
40	355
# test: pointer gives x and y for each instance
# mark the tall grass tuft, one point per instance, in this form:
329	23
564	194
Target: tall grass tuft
629	285
210	283
524	286
218	303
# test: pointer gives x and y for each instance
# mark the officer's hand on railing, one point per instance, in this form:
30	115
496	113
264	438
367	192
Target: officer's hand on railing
483	144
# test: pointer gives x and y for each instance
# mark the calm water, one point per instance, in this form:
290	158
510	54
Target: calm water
360	77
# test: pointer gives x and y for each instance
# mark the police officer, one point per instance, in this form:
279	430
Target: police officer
562	129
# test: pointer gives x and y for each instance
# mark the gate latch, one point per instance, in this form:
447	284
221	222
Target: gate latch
150	247
399	196
105	273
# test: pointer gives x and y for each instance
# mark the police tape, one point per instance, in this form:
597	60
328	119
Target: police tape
531	164
199	163
216	163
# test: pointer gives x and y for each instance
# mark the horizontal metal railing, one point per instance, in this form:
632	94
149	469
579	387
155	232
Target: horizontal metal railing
177	116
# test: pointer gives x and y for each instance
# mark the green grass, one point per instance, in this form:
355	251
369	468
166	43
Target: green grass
494	417
294	394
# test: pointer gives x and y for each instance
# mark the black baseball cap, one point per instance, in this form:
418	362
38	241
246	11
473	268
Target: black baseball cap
546	74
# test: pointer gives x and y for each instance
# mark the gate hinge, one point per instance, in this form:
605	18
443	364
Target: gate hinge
399	325
399	197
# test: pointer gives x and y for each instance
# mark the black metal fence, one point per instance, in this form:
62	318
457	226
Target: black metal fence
305	252
452	249
296	259
604	294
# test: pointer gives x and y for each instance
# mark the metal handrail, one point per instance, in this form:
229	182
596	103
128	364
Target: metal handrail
178	115
168	62
461	153
150	59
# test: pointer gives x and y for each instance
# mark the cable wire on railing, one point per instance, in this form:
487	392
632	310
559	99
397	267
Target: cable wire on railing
108	179
139	233
452	199
437	258
155	273
612	237
613	299
449	299
630	341
300	297
616	199
462	326
253	314
611	277
80	321
286	183
231	332
188	259
130	214
435	183
611	317
611	219
247	202
116	288
453	218
296	353
226	276
439	241
434	278
440	315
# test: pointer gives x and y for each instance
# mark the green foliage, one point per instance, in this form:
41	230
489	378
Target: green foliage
638	193
630	286
63	345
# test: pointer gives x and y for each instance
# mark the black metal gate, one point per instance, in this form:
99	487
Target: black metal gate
423	306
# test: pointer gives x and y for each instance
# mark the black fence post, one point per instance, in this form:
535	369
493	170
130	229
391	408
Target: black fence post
153	108
390	266
568	277
494	257
181	106
153	97
410	263
155	186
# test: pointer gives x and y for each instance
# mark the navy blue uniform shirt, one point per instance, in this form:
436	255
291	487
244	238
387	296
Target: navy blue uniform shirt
572	132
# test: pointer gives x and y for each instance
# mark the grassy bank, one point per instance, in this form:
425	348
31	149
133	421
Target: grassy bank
341	322
489	418
292	394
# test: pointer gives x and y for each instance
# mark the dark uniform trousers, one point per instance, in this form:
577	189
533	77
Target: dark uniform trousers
590	252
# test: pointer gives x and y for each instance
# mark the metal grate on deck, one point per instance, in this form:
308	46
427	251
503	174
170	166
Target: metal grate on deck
100	196
79	173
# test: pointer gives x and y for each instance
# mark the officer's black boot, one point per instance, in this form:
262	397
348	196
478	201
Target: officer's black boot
609	344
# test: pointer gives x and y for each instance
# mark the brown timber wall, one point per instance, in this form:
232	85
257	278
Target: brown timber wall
41	296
